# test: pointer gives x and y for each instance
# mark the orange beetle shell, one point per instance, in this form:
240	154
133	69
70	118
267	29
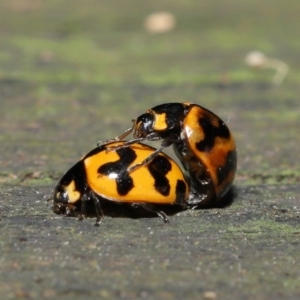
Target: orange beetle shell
208	140
202	142
103	175
159	182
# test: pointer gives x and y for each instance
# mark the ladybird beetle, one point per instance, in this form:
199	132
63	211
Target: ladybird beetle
202	142
102	175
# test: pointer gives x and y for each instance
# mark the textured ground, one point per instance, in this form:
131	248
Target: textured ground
72	75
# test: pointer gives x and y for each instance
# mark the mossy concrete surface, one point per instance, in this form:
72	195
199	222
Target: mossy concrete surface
71	75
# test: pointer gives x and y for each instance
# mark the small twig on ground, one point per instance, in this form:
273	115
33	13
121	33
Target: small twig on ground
258	60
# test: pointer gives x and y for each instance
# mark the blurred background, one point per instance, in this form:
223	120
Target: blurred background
74	72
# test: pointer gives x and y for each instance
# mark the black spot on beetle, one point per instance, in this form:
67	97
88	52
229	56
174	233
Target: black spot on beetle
229	166
124	184
77	174
180	191
159	168
211	132
123	180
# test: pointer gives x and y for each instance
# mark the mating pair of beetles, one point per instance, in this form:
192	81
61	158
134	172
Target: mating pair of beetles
133	173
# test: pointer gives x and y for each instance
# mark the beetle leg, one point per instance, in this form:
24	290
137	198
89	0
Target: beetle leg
68	211
125	144
164	144
116	139
105	142
146	161
150	137
151	208
124	134
98	209
82	214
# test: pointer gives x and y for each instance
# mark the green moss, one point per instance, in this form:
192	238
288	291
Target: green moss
262	227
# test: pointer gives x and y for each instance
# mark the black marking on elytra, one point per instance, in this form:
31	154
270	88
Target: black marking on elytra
180	191
211	132
78	175
123	180
230	166
159	167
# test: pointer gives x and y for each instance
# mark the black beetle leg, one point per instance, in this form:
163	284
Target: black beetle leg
164	144
151	208
145	161
82	215
98	209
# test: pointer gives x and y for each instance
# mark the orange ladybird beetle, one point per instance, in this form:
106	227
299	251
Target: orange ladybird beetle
202	142
103	175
